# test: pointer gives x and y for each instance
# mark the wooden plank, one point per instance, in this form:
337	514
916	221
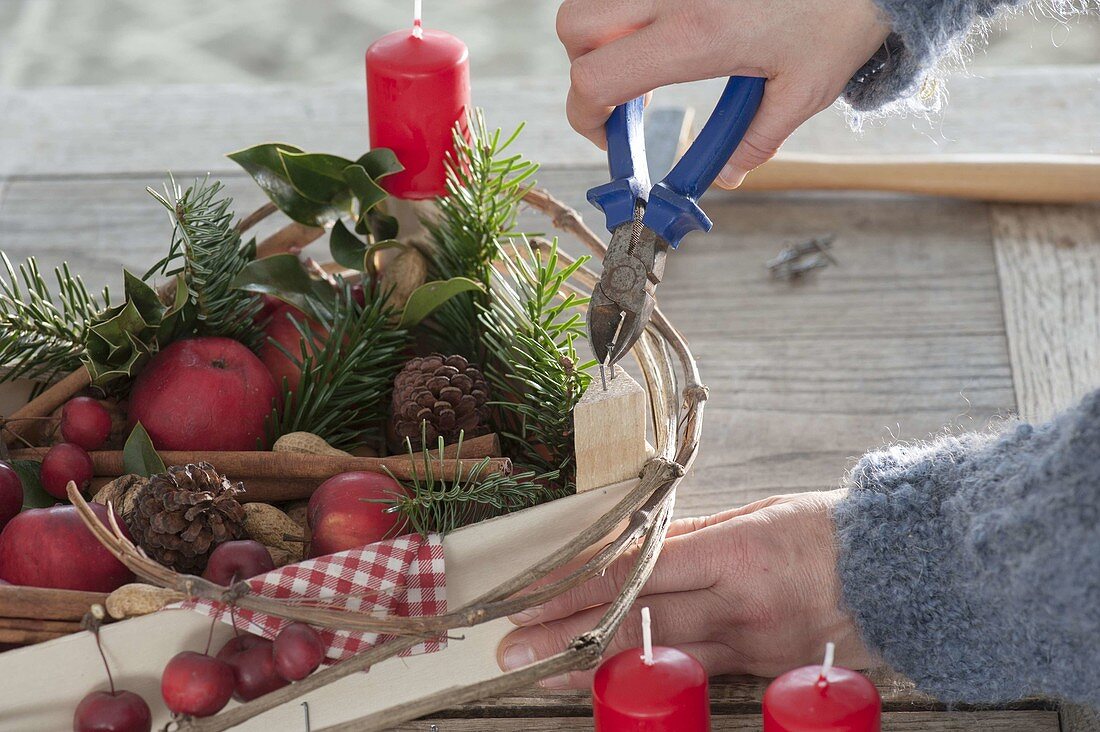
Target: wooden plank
123	130
891	722
1049	263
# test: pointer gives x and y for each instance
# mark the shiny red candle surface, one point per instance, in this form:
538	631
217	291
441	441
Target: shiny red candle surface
813	699
670	695
418	87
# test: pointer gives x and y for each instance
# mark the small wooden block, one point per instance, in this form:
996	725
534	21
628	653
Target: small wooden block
609	432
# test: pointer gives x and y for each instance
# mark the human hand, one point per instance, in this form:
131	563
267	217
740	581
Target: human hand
806	49
748	591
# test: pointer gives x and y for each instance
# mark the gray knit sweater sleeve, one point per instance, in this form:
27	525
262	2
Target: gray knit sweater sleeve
923	32
972	563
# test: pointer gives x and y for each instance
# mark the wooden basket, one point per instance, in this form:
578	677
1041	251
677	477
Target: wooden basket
494	569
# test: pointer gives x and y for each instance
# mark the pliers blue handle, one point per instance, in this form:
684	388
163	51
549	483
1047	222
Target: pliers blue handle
672	208
646	221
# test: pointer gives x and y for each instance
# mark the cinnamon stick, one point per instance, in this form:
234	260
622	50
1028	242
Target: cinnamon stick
43	603
20	422
48	626
284	466
27	637
475	448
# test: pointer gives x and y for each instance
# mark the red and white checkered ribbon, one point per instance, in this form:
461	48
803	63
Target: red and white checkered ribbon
402	576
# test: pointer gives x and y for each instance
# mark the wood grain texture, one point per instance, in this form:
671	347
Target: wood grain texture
123	130
609	431
1049	263
891	722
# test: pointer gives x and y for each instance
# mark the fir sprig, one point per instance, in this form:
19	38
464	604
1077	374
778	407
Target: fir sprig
432	504
42	334
531	331
206	249
344	383
485	184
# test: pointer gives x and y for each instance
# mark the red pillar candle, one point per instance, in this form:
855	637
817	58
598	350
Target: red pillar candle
651	689
822	699
418	87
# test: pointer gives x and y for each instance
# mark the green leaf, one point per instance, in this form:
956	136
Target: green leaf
380	162
139	456
318	176
30	475
284	277
379	246
430	296
366	190
346	248
265	165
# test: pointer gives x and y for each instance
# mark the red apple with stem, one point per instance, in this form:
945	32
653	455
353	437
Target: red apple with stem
237	560
51	547
85	422
351	510
204	394
116	710
298	650
11	494
253	664
196	684
64	462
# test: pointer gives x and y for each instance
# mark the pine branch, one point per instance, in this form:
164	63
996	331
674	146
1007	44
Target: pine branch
42	334
530	332
343	388
441	506
207	250
485	186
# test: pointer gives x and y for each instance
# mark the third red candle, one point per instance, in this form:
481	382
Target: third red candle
822	698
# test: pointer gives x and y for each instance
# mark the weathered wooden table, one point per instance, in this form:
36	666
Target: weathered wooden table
941	313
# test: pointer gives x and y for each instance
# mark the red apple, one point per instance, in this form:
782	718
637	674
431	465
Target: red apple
348	511
253	663
237	560
51	547
122	711
204	394
11	494
85	422
298	650
196	684
282	329
64	462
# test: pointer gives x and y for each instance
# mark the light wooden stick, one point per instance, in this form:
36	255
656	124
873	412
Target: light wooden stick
609	431
1008	178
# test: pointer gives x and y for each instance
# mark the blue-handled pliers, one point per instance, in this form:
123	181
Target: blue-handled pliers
644	222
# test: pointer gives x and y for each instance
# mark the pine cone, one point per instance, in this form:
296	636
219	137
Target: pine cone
446	393
181	515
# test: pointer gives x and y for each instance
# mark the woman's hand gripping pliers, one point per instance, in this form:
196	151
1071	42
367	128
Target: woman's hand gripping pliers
644	222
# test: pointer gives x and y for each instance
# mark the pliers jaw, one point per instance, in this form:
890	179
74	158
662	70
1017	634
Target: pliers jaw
624	298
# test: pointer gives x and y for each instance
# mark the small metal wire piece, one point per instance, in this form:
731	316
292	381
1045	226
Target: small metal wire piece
796	259
305	708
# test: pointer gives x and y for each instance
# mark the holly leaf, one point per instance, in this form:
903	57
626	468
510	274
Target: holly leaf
138	454
265	165
429	296
318	176
347	249
380	162
283	276
364	186
30	475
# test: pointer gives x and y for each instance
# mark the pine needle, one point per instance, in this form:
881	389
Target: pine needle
207	250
